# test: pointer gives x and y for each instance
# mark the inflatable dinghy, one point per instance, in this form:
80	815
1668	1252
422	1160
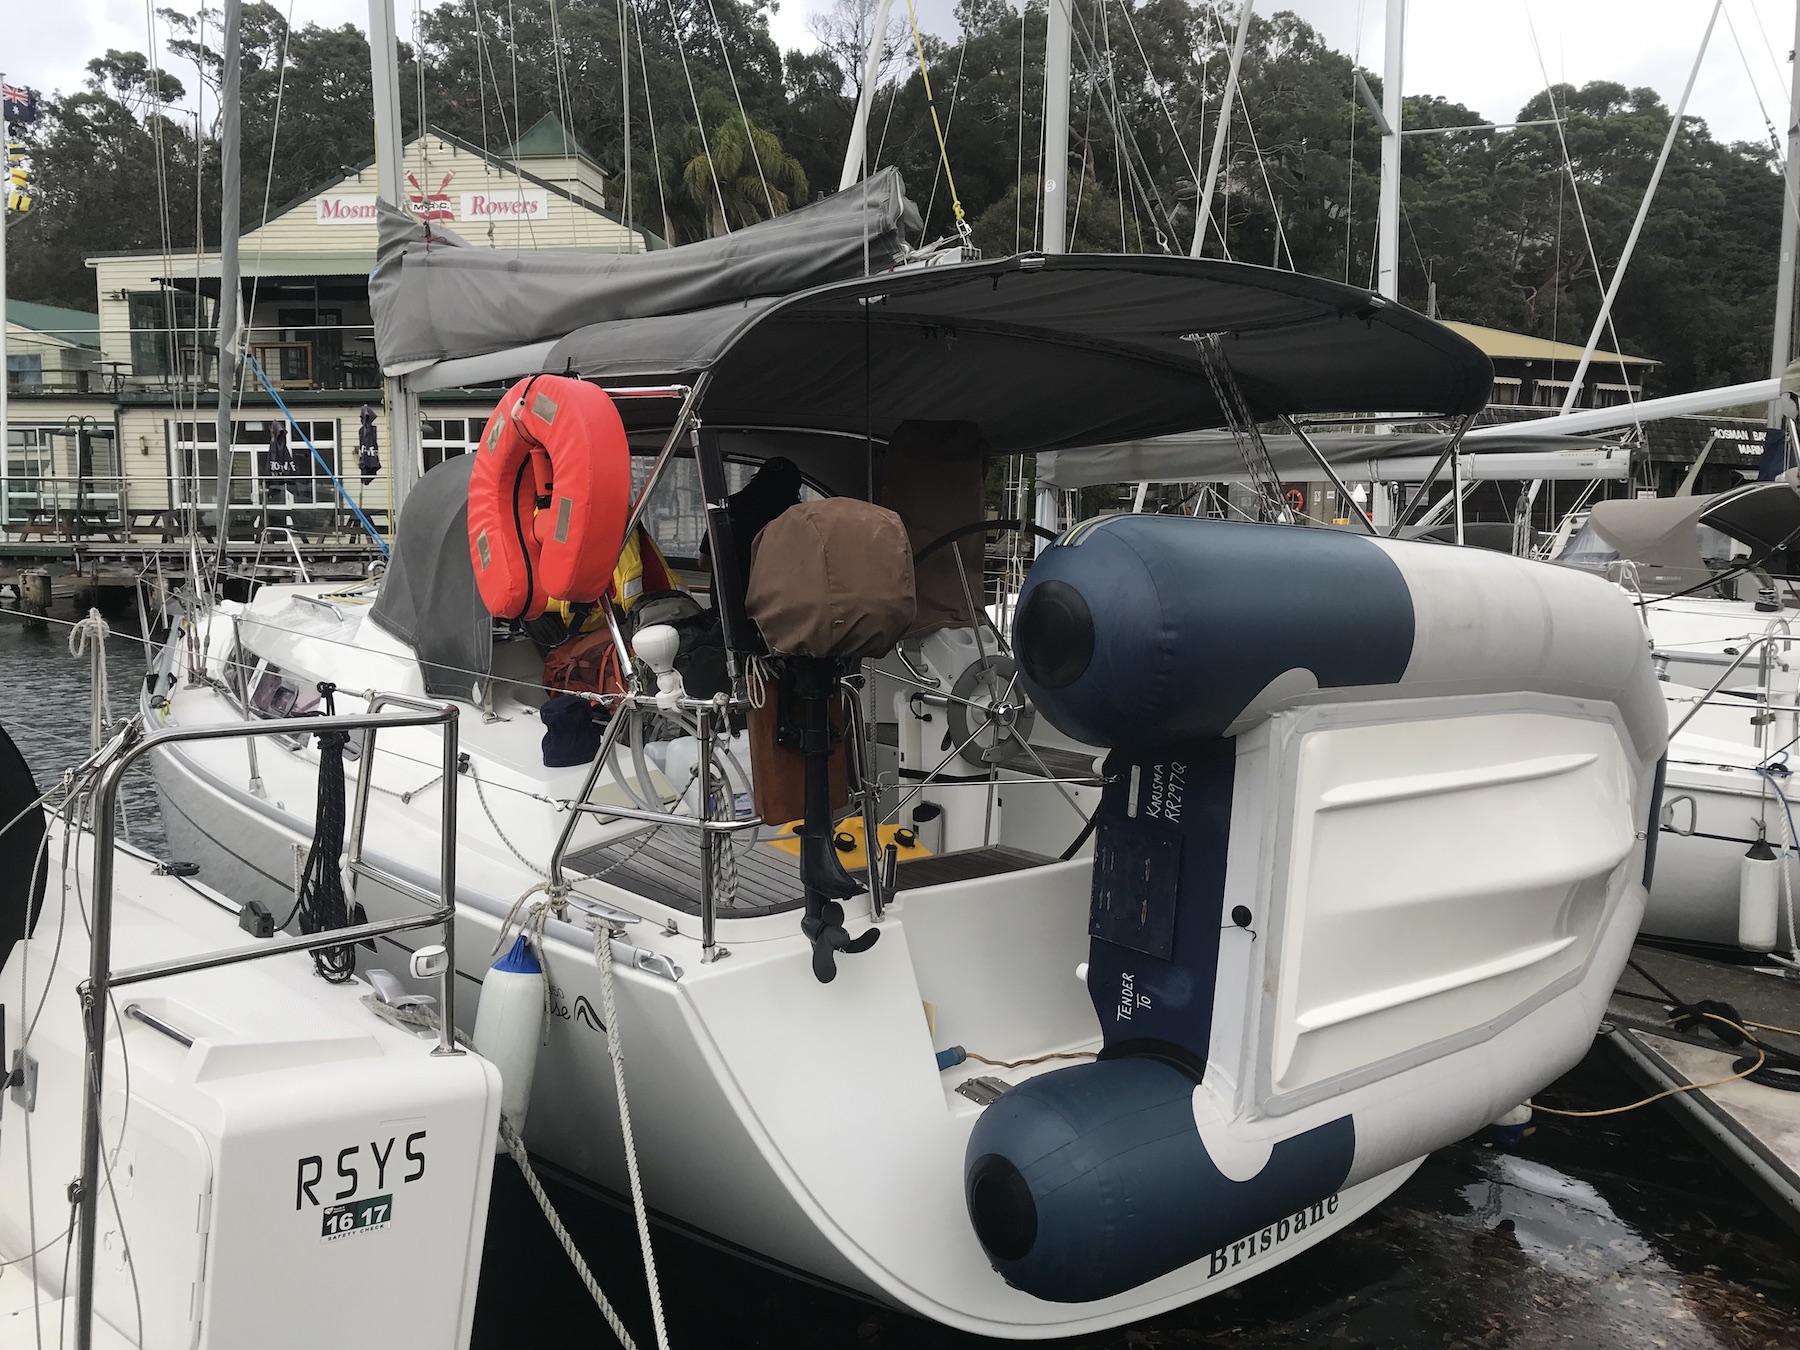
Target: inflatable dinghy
1369	858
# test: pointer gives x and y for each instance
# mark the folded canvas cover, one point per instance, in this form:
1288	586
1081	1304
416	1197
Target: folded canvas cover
437	297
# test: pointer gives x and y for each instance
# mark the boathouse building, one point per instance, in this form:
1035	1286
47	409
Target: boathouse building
113	413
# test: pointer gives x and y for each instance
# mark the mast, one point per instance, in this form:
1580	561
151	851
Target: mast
390	165
1056	127
1203	211
1637	224
1057	36
230	181
856	153
1779	348
1387	217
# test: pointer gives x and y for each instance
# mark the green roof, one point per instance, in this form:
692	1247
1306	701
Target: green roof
545	137
72	325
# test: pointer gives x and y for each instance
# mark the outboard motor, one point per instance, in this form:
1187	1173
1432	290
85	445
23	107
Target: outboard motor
1163	639
830	582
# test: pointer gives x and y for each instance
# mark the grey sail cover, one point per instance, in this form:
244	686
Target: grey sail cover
428	597
436	297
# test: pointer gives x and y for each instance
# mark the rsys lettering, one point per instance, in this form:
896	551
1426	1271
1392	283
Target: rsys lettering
359	1163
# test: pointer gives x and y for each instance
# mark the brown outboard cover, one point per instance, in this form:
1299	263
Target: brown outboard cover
830	582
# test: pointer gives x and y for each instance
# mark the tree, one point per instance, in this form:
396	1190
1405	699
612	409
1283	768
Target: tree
114	166
1492	221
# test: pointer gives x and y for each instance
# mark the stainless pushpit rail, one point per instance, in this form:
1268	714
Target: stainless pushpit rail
126	747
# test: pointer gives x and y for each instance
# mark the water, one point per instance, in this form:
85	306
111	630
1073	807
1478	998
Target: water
46	705
1616	1232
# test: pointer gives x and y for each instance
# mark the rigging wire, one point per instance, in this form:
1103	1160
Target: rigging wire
518	127
1037	198
1350	159
199	373
1087	130
1749	75
1226	44
956	206
949	122
886	122
738	97
1118	141
624	101
650	117
1132	161
712	164
1019	176
481	100
249	315
1155	84
1575	190
1281	239
566	113
1781	81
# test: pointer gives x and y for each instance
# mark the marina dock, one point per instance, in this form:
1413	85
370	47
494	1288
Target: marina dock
38	570
1752	1124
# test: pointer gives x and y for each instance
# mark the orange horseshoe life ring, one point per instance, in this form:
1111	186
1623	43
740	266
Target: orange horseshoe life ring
548	495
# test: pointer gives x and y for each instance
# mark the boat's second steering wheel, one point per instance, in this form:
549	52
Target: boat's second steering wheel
978	612
985	707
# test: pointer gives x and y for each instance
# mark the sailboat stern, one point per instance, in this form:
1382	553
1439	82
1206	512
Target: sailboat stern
1367	864
1092	1180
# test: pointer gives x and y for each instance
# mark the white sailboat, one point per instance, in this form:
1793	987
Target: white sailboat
1307	1024
1171	928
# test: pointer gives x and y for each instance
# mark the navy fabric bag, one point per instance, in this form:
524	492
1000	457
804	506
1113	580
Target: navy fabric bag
571	735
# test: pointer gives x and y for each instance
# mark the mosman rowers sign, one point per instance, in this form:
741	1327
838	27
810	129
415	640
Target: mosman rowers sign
503	201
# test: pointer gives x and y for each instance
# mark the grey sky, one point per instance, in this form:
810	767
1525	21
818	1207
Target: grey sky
1478	54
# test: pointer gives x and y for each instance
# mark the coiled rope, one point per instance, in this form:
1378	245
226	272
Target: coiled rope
322	904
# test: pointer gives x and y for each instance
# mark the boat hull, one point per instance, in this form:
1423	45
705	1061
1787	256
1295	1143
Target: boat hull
706	1164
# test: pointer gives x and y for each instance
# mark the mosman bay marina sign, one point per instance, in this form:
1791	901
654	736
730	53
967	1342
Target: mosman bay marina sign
503	203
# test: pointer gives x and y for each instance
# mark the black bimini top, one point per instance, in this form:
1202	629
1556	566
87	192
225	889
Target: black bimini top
1046	352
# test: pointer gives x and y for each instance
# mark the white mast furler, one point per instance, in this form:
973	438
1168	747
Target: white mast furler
856	153
1779	348
230	178
1387	217
1057	34
1203	208
404	461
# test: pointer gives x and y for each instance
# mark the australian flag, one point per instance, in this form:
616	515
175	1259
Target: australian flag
21	105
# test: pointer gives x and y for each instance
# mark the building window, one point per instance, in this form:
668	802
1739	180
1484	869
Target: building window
1549	393
30	470
25	370
1505	391
66	466
194	464
443	438
171	335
